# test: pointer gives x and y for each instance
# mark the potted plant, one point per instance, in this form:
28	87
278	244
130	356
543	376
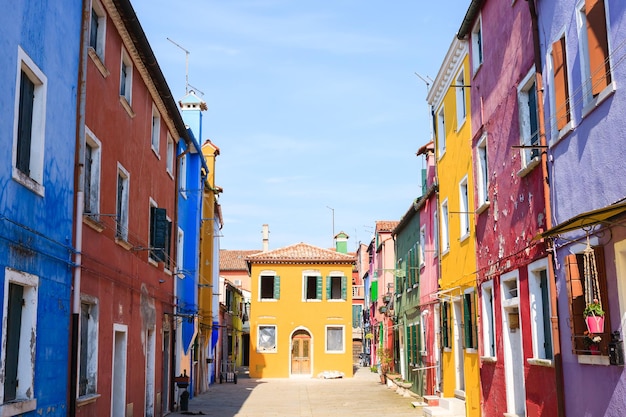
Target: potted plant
594	317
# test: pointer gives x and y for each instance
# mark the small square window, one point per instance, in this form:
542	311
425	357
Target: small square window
266	339
334	339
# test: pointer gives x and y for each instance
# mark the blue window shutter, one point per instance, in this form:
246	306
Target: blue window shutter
344	288
328	287
277	287
319	288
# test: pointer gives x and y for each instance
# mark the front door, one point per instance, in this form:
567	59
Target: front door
301	353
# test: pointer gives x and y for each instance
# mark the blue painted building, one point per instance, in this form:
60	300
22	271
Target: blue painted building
39	79
192	176
585	125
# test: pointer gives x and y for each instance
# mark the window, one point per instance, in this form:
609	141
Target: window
170	155
412	342
560	102
477	45
29	123
92	174
121	212
482	172
594	49
445	325
461	110
156	129
441	133
488	323
97	29
182	175
88	355
539	293
126	78
160	232
464	208
267	339
469	320
577	287
269	287
445	237
422	245
334	339
529	127
422	340
20	313
313	287
336	288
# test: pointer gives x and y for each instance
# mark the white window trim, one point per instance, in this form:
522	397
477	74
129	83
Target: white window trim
477	58
258	332
339	275
25	400
171	149
474	320
96	154
464	217
555	134
155	138
524	123
152	203
486	333
92	359
422	245
97	54
266	273
535	301
182	175
445	227
34	181
343	338
461	99
482	174
125	214
441	132
127	98
305	275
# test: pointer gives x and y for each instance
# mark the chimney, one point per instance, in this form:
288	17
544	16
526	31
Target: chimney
266	238
341	242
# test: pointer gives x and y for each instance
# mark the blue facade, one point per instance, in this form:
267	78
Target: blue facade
194	169
39	73
586	154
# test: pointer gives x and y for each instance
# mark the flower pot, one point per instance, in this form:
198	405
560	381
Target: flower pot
595	324
595	349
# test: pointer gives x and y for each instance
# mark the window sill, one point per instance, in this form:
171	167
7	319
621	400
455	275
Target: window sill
488	359
540	362
465	236
87	399
17	407
98	62
156	152
127	107
311	300
471	350
599	99
561	134
593	360
529	167
28	182
484	206
123	243
268	300
93	221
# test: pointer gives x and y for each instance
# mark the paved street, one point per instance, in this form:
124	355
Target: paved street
362	395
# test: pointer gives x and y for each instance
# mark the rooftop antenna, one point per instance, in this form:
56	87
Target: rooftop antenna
186	65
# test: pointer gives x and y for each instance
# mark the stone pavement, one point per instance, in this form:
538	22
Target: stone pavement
362	395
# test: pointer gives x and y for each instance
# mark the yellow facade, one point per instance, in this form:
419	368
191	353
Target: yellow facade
307	313
457	244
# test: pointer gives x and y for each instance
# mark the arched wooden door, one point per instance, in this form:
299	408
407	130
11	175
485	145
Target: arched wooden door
301	353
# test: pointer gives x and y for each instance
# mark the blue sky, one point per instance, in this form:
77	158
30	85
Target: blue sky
315	106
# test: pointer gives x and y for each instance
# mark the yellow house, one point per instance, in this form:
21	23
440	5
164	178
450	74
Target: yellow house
301	312
449	100
208	304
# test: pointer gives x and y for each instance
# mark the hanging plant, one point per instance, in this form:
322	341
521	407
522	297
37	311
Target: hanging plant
594	313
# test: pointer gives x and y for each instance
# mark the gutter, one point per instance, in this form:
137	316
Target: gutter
468	20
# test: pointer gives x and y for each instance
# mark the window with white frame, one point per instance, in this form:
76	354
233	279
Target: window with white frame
441	132
97	29
160	232
477	45
336	287
88	345
488	322
182	175
180	246
423	331
20	313
122	206
470	328
169	164
539	294
266	341
529	120
464	208
595	59
445	233
482	172
29	123
126	78
93	157
335	339
156	130
461	110
269	286
559	87
312	286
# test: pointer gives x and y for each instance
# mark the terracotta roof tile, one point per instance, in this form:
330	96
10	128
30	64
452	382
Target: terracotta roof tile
235	260
386	225
301	252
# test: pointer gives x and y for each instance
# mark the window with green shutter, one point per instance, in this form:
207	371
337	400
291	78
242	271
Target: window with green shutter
445	339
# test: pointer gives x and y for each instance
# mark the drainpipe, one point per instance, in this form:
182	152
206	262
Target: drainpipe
558	361
79	186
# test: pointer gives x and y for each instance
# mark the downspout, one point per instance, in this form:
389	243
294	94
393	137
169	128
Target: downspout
79	186
558	361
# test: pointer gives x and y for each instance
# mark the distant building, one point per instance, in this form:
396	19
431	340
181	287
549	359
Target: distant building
301	312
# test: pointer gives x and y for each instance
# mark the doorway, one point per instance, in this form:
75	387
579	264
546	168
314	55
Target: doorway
118	381
301	353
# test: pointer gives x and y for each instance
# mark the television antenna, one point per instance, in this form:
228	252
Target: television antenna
187	85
